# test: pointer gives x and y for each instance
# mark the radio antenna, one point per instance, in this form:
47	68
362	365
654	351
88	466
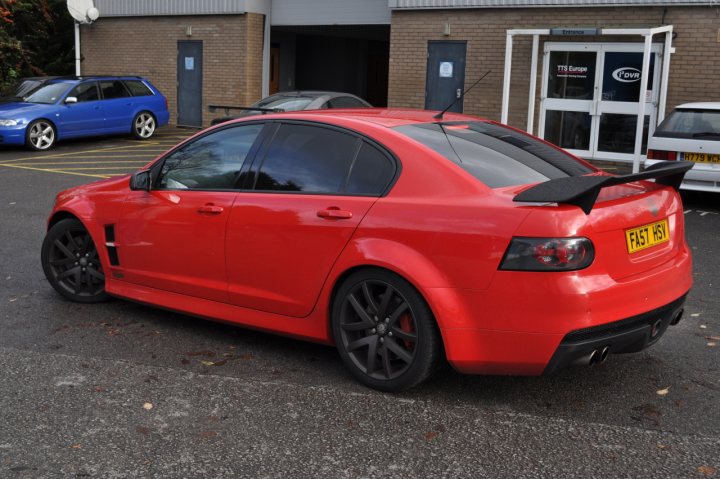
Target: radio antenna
439	116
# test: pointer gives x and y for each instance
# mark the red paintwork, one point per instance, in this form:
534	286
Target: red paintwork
272	261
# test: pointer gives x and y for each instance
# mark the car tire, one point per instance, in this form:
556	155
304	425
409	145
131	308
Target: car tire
384	331
143	125
71	263
40	135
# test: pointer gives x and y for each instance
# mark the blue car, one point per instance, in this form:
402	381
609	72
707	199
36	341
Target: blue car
63	108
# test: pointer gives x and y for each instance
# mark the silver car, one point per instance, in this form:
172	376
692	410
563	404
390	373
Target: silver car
297	100
690	133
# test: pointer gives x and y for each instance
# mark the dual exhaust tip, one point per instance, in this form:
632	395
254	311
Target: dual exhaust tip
597	356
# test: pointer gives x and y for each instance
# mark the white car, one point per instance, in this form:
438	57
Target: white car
691	133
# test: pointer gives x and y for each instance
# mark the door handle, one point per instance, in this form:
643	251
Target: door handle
334	212
458	93
210	209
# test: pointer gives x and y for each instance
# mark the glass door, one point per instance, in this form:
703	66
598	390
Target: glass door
591	98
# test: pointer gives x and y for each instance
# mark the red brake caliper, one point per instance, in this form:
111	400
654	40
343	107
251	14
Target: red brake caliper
406	325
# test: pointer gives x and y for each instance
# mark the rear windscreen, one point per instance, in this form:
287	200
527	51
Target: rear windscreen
691	123
496	155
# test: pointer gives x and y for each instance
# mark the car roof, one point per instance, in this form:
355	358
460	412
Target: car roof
708	105
388	117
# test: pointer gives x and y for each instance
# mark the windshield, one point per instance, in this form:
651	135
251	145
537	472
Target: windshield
286	103
48	93
691	123
496	155
20	89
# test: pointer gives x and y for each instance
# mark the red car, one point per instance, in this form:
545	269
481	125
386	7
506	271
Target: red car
403	239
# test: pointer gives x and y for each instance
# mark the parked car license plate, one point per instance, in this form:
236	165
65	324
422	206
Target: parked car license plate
701	157
646	236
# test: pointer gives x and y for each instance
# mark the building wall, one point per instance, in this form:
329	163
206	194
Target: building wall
694	68
147	46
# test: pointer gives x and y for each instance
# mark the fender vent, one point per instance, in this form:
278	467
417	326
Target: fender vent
110	245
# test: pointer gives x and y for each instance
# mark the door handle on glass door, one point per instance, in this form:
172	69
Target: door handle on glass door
210	209
334	212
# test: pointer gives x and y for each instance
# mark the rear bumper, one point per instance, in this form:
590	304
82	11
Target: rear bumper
703	177
629	335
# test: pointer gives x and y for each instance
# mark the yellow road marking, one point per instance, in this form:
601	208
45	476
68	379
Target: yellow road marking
55	171
83	162
98	168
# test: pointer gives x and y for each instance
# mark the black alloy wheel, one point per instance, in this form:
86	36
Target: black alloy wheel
71	263
384	331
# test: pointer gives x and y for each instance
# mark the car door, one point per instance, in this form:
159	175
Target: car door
85	116
118	106
310	186
172	238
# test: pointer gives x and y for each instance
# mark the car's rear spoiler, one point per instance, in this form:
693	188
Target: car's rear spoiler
583	191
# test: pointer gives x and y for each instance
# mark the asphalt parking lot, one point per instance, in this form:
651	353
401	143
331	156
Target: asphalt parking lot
123	390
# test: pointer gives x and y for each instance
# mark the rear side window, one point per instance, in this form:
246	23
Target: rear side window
210	162
137	88
307	158
371	173
496	155
691	123
113	89
346	102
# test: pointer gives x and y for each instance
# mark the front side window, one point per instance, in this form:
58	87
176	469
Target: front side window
496	155
210	162
307	158
113	89
85	92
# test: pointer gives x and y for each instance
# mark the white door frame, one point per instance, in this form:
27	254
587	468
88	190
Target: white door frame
597	106
646	33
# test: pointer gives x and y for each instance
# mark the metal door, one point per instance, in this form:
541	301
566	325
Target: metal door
445	81
189	80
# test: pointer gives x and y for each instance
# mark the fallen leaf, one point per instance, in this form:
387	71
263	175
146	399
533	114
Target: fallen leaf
713	338
142	429
113	332
12	300
707	471
430	435
695	315
214	418
208	354
147	406
247	356
75	446
208	434
702	326
712	344
99	389
663	392
662	446
207	363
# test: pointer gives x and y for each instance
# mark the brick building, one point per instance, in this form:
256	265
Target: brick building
421	54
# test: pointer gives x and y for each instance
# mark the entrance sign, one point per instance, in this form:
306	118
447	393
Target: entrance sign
570	31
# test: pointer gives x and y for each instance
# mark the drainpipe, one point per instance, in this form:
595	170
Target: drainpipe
77	49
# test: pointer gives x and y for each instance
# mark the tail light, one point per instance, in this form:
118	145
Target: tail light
662	155
548	254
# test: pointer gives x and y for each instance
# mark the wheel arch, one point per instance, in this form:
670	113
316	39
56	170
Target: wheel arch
431	284
58	216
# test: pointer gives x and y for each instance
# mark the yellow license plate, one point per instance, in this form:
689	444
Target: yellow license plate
701	157
647	236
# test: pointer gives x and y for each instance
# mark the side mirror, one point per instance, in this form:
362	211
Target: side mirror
141	180
70	99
